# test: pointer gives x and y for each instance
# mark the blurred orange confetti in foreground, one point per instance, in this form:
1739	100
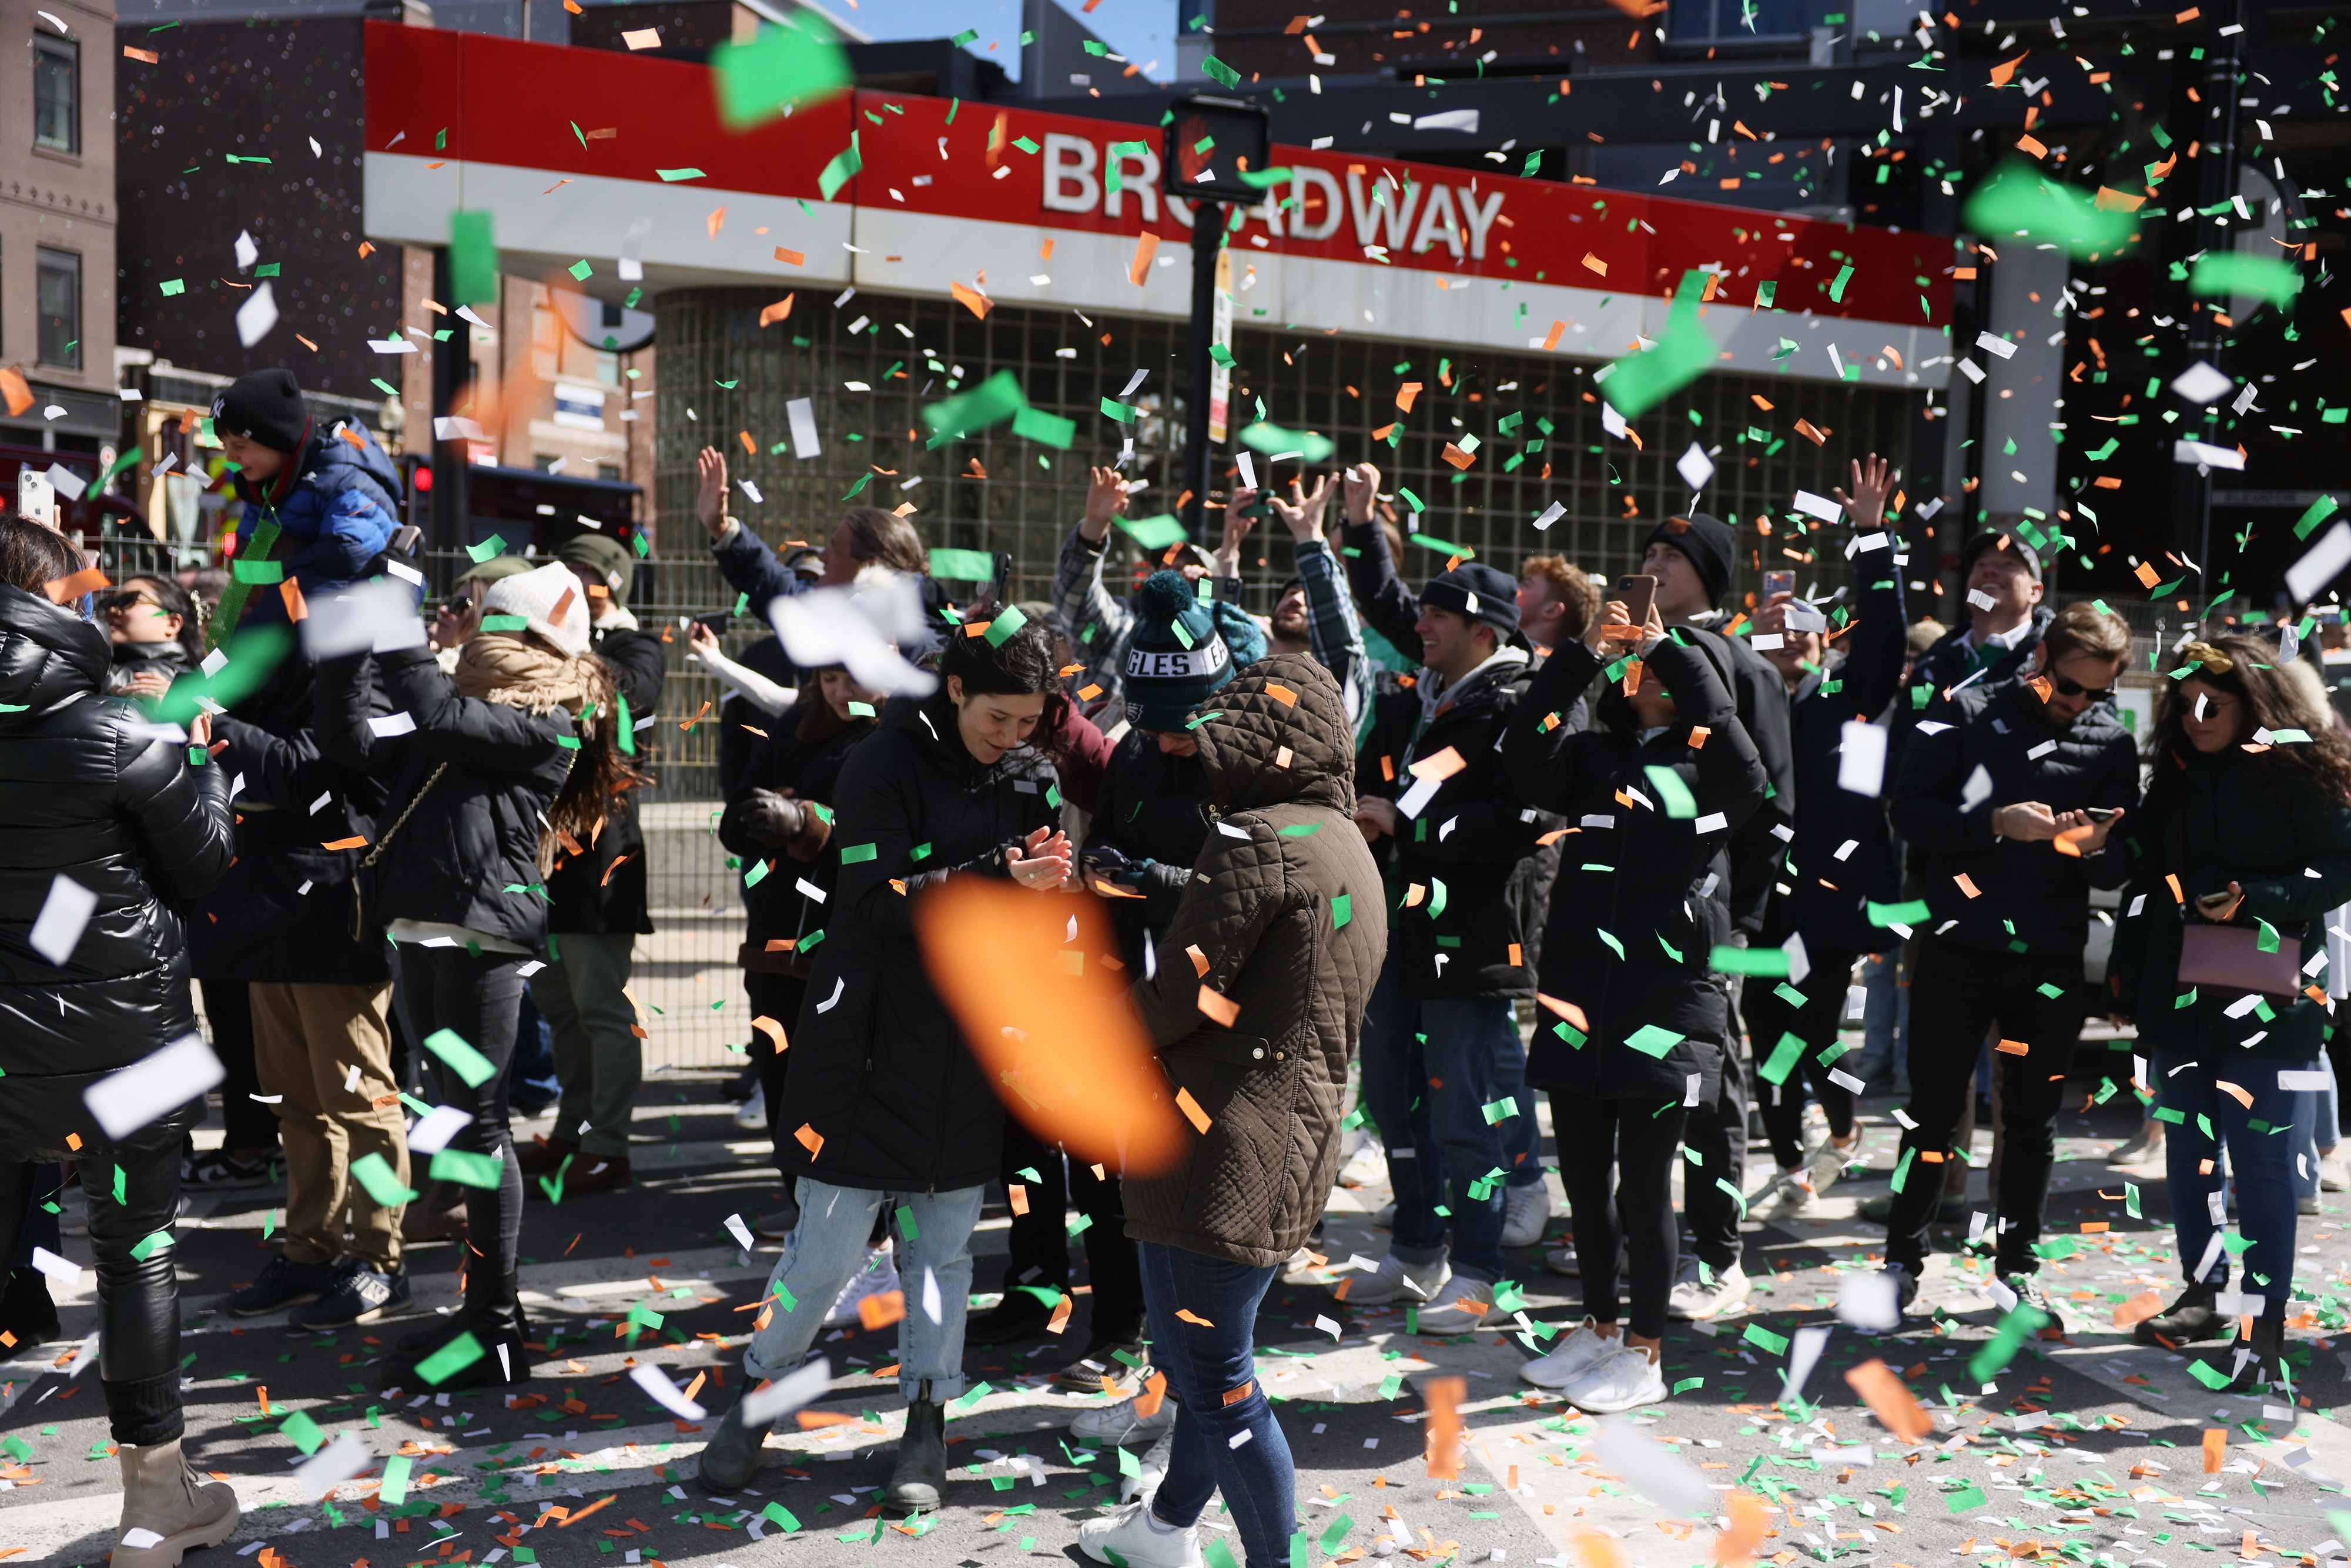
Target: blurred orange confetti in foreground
1891	1399
1052	1029
1749	1517
1444	1396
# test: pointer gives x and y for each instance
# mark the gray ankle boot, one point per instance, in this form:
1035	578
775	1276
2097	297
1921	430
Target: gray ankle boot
731	1458
165	1510
921	1475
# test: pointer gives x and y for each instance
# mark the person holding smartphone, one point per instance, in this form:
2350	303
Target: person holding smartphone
2248	817
1999	797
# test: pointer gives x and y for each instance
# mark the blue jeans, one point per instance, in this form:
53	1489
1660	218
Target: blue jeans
826	1248
2261	1159
1221	1441
1885	1018
1442	1146
2316	1127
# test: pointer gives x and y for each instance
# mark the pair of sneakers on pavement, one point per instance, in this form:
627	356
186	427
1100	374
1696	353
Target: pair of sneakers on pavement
322	1296
1449	1303
1599	1373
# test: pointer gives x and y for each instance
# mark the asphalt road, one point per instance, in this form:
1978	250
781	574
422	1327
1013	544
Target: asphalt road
2087	1447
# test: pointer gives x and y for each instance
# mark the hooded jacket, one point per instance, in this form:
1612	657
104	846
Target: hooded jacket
336	507
1833	884
2276	834
468	853
1638	905
880	1070
1285	908
85	796
2028	897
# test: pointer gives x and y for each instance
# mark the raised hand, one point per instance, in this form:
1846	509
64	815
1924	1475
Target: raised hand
710	499
1303	511
1360	487
1867	506
1105	499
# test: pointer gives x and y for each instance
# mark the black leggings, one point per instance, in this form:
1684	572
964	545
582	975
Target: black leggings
1040	1237
1616	1161
776	997
1770	1015
480	1000
139	1299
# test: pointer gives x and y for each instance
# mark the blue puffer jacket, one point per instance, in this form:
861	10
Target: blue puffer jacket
336	510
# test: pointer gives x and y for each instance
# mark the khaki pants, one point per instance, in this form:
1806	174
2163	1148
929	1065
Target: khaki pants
307	1038
599	1060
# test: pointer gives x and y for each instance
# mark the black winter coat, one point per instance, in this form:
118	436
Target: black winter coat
1153	807
85	796
283	911
467	854
1638	907
1760	695
1474	848
1830	896
588	893
802	756
2030	898
880	1070
131	660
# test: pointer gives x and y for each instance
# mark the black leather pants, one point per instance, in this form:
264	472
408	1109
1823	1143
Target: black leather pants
138	1298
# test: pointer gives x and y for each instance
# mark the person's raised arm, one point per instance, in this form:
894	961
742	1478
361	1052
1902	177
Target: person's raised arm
757	690
1385	602
1333	634
1877	643
1098	624
487	736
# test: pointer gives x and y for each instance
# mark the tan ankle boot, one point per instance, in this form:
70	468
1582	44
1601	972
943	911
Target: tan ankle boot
165	1510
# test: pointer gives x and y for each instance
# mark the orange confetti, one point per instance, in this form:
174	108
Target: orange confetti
1968	886
63	590
1146	1404
1189	1316
1567	1010
1281	694
789	257
2147	574
1890	1399
1219	1007
1061	1318
1146	245
778	312
773	1030
1444	765
353	843
1442	1395
1405	393
1191	1109
1076	1072
2013	1048
2233	1092
810	1139
2216	1447
1199	959
716	221
1749	1517
881	1308
972	299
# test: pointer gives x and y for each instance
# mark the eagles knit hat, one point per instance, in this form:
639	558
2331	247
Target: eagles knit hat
264	406
607	557
548	599
1710	545
1998	538
1182	650
1478	591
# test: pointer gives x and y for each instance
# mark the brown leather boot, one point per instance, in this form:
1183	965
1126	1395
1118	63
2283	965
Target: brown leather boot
595	1173
545	1155
165	1510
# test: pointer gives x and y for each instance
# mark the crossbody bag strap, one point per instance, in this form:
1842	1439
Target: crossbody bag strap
359	895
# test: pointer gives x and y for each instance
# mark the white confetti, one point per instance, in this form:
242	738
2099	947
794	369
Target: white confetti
125	1100
64	913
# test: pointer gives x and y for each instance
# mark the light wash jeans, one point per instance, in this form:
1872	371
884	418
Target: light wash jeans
826	1248
1886	1020
2316	1127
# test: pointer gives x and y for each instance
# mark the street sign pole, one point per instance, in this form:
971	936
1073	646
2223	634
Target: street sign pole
1210	144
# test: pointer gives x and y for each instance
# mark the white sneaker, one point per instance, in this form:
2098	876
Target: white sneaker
751	1115
1563	1260
1790	1194
1118	1424
1695	1300
1829	1162
1145	1486
2334	1176
1367	1166
1573	1355
1621	1379
1128	1537
1525	1211
1416	1283
879	1277
1461	1306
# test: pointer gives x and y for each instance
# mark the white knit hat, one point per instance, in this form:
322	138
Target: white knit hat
538	596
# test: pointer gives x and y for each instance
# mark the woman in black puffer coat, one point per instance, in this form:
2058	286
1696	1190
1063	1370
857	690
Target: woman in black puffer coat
1634	1024
514	754
88	800
885	1097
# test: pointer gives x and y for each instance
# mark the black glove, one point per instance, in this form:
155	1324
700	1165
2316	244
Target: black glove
771	819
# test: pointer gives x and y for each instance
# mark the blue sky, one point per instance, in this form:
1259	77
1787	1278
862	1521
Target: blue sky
1141	30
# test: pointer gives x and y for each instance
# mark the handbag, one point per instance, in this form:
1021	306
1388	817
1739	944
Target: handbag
2229	956
359	876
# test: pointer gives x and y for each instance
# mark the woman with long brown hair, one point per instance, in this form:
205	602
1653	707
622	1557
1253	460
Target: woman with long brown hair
2244	846
513	759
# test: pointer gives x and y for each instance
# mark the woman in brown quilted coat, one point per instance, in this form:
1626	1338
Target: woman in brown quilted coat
1255	1004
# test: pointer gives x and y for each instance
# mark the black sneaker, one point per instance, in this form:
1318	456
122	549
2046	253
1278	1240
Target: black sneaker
283	1283
1018	1316
2191	1318
2029	1293
361	1294
2255	1362
1102	1360
217	1170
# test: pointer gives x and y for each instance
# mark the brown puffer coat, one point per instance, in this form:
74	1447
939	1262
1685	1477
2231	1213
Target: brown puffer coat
1264	913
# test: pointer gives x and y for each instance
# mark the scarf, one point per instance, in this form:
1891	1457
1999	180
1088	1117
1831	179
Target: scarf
516	672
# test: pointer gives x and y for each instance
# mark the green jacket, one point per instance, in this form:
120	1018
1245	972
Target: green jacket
2275	833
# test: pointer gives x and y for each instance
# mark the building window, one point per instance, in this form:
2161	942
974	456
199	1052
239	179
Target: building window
58	300
56	94
1743	21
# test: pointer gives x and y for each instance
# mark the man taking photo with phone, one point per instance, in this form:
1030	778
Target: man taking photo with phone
2012	801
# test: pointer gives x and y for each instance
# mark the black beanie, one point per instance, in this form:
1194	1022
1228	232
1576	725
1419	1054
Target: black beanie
264	406
1710	545
1478	591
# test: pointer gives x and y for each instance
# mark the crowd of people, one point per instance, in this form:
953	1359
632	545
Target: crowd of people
1348	852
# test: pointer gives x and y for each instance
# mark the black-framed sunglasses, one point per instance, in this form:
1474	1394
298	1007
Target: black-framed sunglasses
2067	688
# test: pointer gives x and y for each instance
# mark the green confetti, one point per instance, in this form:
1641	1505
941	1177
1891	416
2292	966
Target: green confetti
1650	1039
303	1432
1679	803
1154	534
450	1359
962	565
1273	440
673	175
1638	381
1049	429
472	258
780	68
991	402
845	165
374	1173
465	1169
2226	272
394	1487
1771	963
460	1058
2018	199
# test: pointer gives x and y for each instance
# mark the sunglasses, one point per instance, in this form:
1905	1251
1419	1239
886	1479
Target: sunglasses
2075	689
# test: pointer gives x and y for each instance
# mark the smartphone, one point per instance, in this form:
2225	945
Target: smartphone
716	620
1638	594
1776	584
2102	813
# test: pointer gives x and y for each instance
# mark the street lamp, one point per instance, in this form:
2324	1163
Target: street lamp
1210	144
